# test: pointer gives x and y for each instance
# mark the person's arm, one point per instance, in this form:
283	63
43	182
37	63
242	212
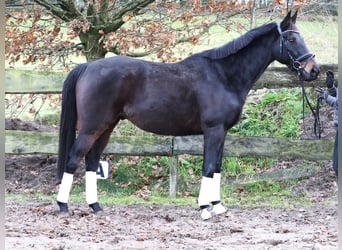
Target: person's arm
332	101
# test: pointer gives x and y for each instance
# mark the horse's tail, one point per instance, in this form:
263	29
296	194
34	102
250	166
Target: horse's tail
68	121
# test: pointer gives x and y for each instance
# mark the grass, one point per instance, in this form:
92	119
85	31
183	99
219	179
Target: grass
320	37
252	195
107	199
276	113
265	194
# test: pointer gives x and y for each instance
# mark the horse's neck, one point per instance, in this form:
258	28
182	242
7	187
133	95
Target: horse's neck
249	67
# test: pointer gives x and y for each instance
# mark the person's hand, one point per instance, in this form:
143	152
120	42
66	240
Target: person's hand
321	93
329	82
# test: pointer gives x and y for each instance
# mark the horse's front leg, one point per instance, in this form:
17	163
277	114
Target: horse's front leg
210	191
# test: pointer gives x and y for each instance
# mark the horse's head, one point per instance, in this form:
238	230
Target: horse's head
292	51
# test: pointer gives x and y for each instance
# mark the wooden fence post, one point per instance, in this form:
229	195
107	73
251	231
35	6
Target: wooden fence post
173	164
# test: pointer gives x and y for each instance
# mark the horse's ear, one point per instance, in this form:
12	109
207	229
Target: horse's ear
286	22
294	17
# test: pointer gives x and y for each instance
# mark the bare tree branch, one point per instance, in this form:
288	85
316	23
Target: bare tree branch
66	10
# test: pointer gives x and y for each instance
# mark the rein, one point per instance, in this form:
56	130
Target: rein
315	113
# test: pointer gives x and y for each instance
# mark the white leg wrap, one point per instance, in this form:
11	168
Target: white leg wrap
65	187
205	192
91	187
216	195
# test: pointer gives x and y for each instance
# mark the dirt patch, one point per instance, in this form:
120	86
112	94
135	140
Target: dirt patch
169	227
36	224
326	115
17	124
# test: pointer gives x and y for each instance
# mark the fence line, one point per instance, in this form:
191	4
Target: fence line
23	142
35	82
27	142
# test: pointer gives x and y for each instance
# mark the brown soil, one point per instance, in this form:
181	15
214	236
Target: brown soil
36	224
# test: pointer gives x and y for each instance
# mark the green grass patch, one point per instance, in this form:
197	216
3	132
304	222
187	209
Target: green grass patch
29	197
234	167
251	195
277	114
264	194
108	199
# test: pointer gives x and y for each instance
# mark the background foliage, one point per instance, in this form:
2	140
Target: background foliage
56	33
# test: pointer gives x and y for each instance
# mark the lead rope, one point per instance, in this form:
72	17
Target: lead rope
317	122
297	66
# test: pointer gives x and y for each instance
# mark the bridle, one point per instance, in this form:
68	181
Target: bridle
297	66
296	61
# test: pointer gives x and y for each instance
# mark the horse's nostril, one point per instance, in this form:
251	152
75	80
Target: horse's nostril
315	71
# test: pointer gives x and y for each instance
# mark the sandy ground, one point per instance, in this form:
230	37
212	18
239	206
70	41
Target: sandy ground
36	225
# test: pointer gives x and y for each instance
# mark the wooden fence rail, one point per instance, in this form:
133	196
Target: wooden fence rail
25	81
23	142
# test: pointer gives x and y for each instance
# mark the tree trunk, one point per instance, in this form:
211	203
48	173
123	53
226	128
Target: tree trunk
93	46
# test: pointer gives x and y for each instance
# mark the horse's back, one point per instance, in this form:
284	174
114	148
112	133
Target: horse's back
120	73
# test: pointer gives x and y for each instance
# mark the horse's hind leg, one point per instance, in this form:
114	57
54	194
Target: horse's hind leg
83	144
92	162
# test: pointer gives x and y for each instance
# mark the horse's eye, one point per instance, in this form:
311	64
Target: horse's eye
292	39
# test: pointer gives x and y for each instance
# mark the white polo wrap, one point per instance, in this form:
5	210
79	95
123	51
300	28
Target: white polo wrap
216	195
91	187
205	192
65	187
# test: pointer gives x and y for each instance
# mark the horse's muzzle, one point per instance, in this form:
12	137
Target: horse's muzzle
310	70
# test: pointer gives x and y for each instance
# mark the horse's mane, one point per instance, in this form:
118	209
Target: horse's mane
239	43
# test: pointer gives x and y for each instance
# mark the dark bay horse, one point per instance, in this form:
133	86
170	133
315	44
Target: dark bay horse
203	94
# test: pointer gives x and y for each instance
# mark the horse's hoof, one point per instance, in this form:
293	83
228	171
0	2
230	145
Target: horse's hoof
63	215
96	207
63	207
219	208
207	213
